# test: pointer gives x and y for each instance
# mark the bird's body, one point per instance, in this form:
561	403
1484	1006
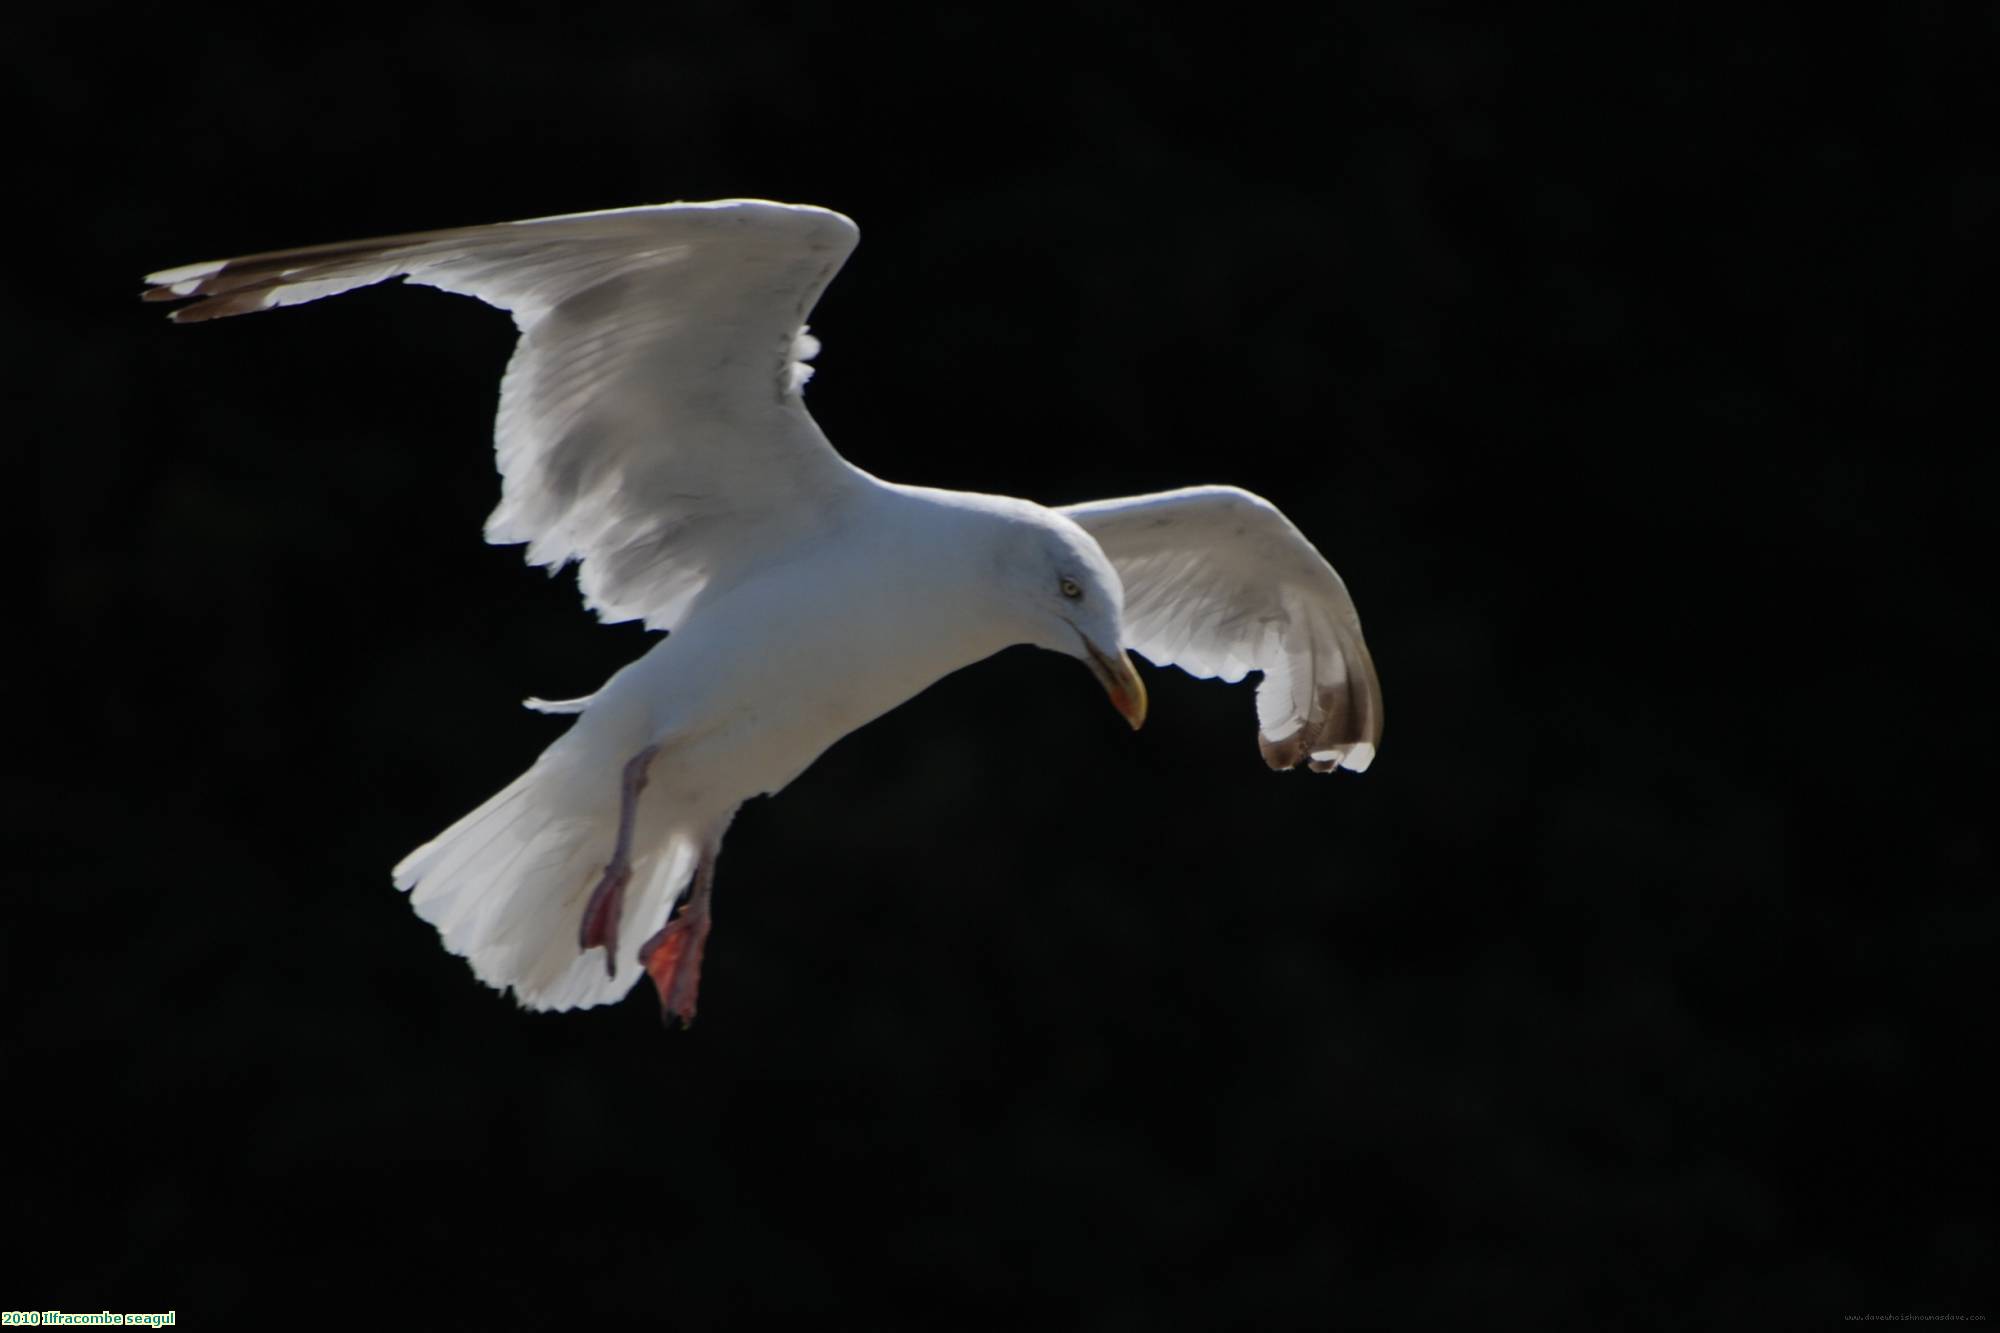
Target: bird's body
652	429
728	683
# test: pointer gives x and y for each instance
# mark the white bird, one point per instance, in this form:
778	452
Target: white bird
651	429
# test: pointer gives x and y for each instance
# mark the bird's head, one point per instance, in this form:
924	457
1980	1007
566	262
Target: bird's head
1065	596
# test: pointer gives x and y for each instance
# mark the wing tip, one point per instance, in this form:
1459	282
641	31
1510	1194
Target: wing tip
1288	753
535	705
1342	731
1354	758
186	276
207	293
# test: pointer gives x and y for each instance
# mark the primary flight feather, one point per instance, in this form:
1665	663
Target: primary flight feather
652	430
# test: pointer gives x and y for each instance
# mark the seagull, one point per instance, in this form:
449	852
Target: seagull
652	431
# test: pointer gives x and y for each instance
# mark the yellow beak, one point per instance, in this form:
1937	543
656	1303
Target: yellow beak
1121	681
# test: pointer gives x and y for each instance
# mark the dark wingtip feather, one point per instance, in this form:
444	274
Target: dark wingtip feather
1335	725
241	286
1284	754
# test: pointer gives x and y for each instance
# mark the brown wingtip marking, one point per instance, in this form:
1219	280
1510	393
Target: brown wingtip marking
239	286
1334	723
209	297
218	306
1283	754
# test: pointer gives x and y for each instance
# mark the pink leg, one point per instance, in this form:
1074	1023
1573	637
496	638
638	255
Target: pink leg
673	956
607	900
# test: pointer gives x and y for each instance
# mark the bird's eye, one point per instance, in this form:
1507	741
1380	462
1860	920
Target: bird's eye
1071	589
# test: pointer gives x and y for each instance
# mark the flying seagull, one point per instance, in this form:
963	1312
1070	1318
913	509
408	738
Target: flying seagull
652	430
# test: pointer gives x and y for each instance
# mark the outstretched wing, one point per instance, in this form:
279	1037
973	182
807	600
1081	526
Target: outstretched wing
650	426
1219	583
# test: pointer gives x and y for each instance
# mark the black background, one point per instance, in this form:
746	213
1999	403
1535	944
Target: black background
1632	367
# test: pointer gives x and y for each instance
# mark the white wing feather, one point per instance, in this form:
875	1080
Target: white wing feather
650	426
1219	583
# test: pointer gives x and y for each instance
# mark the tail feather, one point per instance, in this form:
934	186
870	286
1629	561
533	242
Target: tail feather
505	886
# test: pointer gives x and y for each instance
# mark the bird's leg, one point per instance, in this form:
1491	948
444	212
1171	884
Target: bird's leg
673	956
607	900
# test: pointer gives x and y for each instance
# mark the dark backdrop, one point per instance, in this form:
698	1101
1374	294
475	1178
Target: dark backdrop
1632	370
